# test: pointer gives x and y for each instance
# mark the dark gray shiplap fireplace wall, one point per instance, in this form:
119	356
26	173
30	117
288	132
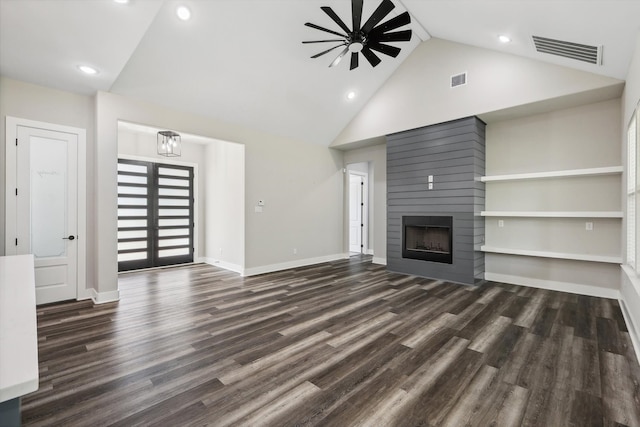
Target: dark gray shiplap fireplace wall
453	153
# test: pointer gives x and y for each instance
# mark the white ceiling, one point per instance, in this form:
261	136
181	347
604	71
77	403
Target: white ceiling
242	61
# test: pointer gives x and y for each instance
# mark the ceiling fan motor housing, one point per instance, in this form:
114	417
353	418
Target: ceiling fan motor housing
372	36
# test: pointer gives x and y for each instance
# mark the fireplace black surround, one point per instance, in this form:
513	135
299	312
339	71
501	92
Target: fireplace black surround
428	238
435	171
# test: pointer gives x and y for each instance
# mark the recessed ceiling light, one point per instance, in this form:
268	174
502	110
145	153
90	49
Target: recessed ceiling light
121	1
87	69
504	39
351	95
183	13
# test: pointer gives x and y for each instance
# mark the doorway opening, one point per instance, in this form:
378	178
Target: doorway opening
358	208
45	205
155	214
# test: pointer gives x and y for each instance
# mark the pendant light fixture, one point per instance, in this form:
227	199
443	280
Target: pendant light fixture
169	143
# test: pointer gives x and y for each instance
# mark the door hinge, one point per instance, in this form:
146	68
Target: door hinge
16	241
16	191
16	142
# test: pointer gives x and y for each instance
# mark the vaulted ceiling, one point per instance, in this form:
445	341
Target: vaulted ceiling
242	61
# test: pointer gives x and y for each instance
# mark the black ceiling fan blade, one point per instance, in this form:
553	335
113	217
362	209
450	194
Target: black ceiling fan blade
336	18
393	23
371	57
384	48
324	41
378	15
326	51
398	36
356	14
337	60
354	60
326	30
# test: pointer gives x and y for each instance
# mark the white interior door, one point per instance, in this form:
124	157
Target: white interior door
46	208
356	223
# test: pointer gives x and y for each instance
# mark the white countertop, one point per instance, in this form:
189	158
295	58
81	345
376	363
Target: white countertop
18	327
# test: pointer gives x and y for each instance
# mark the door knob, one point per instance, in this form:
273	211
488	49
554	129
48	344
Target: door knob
69	238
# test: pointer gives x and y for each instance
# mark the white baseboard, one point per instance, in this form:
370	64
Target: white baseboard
630	305
380	261
101	297
223	264
572	288
292	264
369	252
84	294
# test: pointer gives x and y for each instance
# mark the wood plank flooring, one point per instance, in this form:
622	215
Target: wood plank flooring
337	344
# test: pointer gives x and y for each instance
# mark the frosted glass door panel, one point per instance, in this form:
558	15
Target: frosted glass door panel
48	160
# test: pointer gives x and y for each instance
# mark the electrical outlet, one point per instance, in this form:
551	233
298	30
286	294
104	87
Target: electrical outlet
588	226
500	223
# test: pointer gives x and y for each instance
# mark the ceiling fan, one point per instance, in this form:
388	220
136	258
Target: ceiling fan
365	38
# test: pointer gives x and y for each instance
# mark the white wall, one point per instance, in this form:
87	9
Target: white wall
631	94
224	205
582	137
419	94
630	285
376	157
301	185
32	102
300	182
142	146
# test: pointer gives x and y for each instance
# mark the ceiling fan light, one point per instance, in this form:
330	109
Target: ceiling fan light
362	38
356	47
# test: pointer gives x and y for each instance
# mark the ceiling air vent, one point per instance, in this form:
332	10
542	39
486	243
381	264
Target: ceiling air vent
579	52
459	79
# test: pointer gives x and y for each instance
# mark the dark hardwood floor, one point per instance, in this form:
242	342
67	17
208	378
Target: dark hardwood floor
338	344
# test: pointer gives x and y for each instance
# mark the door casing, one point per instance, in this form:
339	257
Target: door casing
364	210
11	133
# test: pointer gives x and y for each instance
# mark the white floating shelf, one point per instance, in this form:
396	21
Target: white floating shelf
549	214
555	255
610	170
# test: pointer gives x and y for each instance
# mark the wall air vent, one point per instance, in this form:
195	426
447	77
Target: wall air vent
459	79
579	52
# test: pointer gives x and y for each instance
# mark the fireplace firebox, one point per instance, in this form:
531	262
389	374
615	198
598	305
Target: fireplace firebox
428	238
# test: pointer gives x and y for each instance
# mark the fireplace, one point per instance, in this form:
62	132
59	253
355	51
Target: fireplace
428	238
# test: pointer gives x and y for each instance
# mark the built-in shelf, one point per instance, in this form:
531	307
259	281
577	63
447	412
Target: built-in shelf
549	214
556	255
611	170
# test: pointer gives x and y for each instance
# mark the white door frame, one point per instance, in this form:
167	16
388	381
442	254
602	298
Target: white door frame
365	210
11	132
